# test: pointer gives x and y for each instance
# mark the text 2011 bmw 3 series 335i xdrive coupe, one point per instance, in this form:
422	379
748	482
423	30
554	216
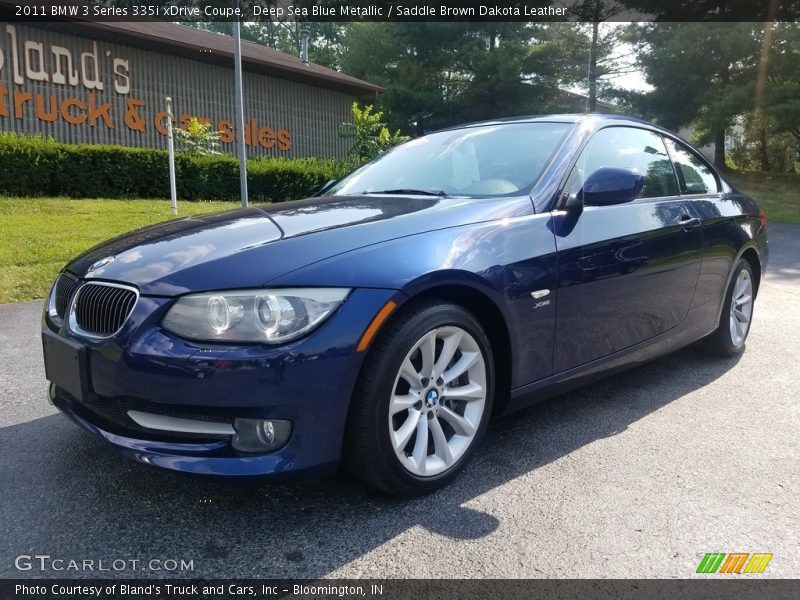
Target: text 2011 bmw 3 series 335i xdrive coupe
381	323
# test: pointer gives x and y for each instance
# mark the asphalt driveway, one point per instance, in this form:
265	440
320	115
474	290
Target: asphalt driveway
637	476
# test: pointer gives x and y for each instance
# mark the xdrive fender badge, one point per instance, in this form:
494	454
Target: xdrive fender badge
540	294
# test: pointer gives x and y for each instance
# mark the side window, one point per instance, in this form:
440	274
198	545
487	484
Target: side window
629	148
693	175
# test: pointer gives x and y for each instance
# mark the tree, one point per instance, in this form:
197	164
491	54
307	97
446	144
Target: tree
769	137
411	71
369	133
487	76
779	78
440	74
197	137
731	11
324	39
703	73
758	145
601	44
588	55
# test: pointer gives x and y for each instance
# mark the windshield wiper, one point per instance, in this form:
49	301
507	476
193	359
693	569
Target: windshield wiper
411	192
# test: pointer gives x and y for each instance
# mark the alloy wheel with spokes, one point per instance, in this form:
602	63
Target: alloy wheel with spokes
438	401
741	310
736	315
423	400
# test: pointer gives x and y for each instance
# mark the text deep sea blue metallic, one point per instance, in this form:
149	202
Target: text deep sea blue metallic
493	252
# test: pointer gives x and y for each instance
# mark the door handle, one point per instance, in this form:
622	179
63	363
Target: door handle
688	222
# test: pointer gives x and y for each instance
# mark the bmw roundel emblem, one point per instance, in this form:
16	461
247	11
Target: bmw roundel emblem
101	263
432	398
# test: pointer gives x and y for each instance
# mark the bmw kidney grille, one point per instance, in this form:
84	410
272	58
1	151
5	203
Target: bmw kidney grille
101	309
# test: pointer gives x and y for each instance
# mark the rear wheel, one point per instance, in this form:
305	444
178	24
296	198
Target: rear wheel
423	400
737	313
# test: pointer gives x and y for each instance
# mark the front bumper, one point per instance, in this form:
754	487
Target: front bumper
208	458
308	382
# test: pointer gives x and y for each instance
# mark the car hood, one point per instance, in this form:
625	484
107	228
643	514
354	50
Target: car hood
250	247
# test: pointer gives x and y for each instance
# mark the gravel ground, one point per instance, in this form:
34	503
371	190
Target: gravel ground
637	476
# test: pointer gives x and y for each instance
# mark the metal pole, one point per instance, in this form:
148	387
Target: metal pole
304	46
237	50
171	151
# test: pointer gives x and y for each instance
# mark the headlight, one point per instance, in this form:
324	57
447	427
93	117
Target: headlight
268	316
52	311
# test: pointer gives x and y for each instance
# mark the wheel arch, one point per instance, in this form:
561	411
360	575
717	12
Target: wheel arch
750	254
363	453
494	323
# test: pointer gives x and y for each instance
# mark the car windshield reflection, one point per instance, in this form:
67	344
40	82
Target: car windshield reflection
492	160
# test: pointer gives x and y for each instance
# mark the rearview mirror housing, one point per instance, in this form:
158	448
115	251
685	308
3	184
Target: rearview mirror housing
611	185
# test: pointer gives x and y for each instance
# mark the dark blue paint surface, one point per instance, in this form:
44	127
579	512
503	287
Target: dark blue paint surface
627	282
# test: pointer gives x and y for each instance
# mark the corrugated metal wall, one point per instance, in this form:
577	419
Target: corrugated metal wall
312	115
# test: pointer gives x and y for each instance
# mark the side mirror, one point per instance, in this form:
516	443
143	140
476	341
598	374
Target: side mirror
325	187
611	185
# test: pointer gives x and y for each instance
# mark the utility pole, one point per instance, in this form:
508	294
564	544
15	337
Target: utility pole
592	100
171	154
237	52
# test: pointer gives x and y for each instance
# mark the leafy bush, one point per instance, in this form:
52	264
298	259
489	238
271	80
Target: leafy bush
369	133
197	137
23	160
36	166
757	145
279	179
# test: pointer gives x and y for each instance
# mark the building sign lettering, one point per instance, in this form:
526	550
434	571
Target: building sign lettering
34	62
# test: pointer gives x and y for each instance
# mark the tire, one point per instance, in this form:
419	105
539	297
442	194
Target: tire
737	314
391	404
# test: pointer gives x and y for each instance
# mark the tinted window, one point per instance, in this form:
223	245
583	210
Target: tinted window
629	148
693	175
476	161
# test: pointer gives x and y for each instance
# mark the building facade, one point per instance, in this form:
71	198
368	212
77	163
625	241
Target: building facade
106	83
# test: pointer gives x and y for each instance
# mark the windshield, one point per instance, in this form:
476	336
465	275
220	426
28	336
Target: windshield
492	160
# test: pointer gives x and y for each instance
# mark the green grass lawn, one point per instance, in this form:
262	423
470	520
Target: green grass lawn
779	195
39	235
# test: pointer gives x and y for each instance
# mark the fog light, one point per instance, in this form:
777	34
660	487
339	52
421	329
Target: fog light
256	435
51	392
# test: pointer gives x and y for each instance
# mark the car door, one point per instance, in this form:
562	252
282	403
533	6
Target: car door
722	218
626	272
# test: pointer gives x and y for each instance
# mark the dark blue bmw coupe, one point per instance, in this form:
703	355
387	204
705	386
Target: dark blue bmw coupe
464	274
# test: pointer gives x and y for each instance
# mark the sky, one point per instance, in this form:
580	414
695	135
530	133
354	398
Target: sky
633	80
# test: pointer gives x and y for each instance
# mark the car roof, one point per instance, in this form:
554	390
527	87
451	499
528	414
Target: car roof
599	118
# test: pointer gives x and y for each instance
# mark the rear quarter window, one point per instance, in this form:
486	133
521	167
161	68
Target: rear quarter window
694	177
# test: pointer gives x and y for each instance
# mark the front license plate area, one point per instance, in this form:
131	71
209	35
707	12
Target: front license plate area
65	365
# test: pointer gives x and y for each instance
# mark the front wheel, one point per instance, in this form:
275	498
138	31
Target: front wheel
737	312
423	400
